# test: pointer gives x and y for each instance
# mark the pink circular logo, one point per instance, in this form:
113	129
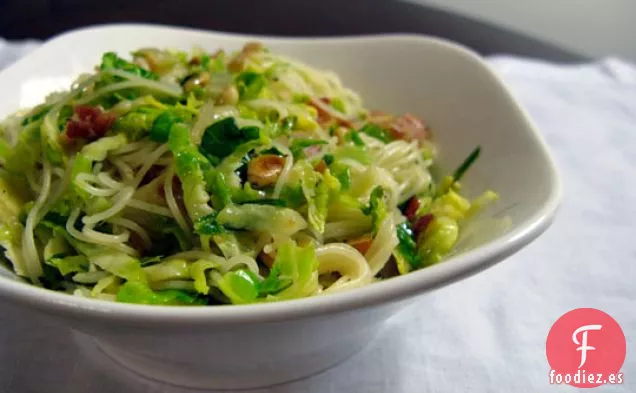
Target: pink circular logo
586	348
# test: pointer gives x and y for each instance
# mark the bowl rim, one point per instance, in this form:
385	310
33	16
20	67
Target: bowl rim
387	291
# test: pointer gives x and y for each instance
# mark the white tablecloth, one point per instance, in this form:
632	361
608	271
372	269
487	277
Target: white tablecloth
484	334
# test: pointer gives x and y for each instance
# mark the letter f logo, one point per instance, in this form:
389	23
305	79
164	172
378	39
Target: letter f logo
584	347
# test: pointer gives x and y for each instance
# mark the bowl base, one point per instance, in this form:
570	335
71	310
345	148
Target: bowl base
136	367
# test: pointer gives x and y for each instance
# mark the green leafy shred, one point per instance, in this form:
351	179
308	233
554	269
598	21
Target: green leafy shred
208	225
228	243
239	286
160	130
266	201
22	157
36	114
205	61
189	165
316	195
136	124
294	274
282	127
110	60
169	238
317	213
466	164
221	138
172	269
197	271
51	278
220	191
55	224
353	152
119	264
342	173
273	284
288	123
407	248
301	98
377	132
234	167
377	208
218	64
141	293
333	185
261	218
354	136
439	238
98	150
339	105
69	264
250	84
293	196
300	266
148	261
298	146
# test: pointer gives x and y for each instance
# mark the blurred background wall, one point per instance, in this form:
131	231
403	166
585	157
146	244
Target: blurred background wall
596	28
559	30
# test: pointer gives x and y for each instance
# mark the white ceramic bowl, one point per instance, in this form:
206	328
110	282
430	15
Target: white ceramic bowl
256	345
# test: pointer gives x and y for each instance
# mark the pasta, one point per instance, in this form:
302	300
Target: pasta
202	178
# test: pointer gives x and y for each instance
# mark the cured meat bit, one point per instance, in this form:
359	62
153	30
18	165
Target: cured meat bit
421	224
89	123
321	166
326	117
411	208
407	126
323	115
312	151
381	119
267	259
362	244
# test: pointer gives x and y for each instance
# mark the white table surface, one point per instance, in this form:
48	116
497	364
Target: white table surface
484	334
